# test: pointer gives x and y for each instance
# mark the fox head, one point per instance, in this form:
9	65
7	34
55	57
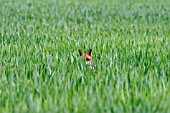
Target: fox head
87	55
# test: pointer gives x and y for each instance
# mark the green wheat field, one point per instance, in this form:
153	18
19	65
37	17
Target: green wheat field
40	69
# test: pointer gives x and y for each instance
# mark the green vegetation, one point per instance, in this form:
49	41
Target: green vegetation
40	69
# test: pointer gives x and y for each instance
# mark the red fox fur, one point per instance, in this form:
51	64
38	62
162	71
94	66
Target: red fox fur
88	57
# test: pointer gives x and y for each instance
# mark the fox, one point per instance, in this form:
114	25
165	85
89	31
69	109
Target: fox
88	57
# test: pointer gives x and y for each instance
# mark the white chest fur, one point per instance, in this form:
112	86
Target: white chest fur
89	63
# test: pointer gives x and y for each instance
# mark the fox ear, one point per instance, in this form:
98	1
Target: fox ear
80	52
89	52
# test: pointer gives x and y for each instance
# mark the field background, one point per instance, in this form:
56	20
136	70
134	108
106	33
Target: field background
40	69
